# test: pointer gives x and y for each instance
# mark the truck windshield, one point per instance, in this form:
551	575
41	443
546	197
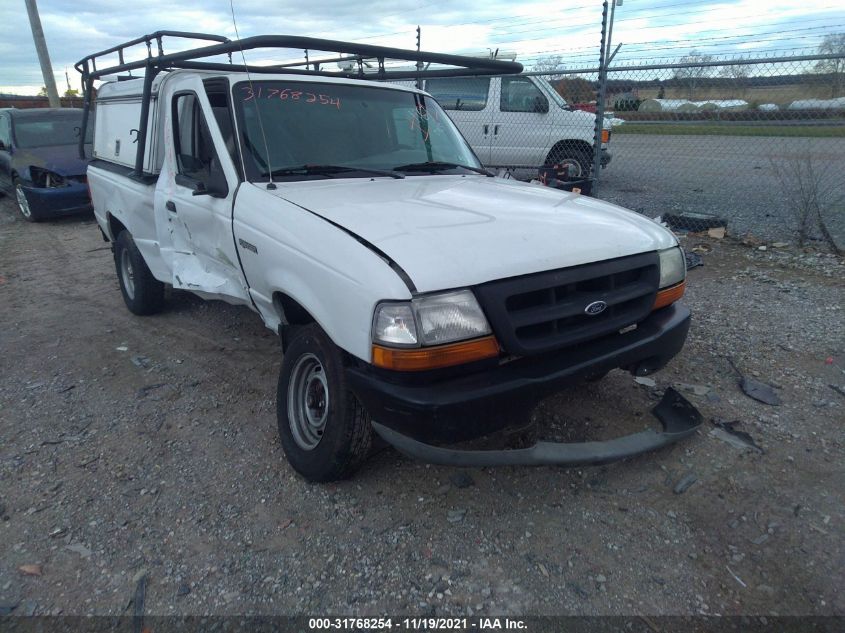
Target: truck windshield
549	89
327	130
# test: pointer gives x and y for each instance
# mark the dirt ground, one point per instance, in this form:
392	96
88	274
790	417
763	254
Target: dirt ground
147	447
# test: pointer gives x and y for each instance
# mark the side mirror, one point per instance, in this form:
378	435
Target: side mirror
541	105
215	186
2	146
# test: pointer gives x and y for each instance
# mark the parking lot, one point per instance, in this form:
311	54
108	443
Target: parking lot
147	447
738	178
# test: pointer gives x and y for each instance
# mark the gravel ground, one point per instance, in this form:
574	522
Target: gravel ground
739	178
147	447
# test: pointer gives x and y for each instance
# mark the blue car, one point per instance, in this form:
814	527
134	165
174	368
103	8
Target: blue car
40	164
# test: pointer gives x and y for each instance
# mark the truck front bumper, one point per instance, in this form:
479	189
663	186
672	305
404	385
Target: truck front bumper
415	417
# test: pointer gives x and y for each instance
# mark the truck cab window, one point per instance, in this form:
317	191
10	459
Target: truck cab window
519	94
460	93
193	146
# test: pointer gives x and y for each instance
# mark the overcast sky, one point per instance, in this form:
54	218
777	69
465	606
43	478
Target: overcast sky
648	29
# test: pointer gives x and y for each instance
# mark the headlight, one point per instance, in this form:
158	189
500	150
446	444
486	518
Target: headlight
673	268
449	317
430	320
394	325
42	178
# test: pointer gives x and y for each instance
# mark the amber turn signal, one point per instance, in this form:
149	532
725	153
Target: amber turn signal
422	358
669	295
605	136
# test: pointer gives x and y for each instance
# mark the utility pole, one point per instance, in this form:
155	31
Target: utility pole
43	55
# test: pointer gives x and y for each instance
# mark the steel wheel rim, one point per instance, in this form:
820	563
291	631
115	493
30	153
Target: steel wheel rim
563	164
127	274
23	203
308	401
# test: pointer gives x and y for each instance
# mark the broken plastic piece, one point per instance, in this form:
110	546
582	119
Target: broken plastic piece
679	418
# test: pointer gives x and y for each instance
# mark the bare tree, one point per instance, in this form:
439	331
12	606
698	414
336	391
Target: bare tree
739	73
552	65
691	75
812	190
833	45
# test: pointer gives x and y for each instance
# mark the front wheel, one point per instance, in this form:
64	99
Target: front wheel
563	157
23	202
325	432
142	293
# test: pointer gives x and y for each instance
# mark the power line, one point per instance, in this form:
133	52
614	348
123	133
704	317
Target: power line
699	42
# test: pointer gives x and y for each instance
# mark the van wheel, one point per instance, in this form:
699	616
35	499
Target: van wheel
325	432
564	156
23	202
142	293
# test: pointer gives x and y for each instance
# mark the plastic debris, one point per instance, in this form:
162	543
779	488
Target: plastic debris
728	433
684	483
693	260
760	391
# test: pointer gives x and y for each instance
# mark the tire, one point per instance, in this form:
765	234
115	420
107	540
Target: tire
564	155
22	202
325	432
142	293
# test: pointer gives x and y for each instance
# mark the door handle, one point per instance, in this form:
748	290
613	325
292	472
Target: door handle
486	129
495	129
170	206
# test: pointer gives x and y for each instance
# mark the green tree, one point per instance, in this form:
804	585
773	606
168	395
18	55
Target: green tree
833	44
43	91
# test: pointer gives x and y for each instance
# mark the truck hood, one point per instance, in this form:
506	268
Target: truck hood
451	231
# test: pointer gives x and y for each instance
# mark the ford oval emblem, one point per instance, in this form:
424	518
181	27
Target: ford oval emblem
596	307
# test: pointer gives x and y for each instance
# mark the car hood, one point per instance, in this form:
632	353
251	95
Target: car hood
60	159
453	231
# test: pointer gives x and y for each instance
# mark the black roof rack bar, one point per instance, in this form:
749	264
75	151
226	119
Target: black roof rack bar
473	65
404	73
145	39
189	59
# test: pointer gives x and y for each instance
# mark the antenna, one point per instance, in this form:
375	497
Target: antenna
419	63
271	185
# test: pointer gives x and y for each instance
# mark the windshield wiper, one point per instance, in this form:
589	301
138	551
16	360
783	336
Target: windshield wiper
327	170
436	165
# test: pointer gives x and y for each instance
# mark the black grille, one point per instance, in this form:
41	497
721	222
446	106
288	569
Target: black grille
545	311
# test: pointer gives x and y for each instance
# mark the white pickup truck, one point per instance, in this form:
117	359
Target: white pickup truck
414	294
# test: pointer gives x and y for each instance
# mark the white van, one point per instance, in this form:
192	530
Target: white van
520	123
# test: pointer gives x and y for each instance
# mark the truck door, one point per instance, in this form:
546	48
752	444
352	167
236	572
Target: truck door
467	101
521	124
194	199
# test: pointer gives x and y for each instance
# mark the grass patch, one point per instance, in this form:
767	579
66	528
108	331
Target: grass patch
723	129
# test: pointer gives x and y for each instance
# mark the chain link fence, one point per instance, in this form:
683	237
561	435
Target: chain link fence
753	145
